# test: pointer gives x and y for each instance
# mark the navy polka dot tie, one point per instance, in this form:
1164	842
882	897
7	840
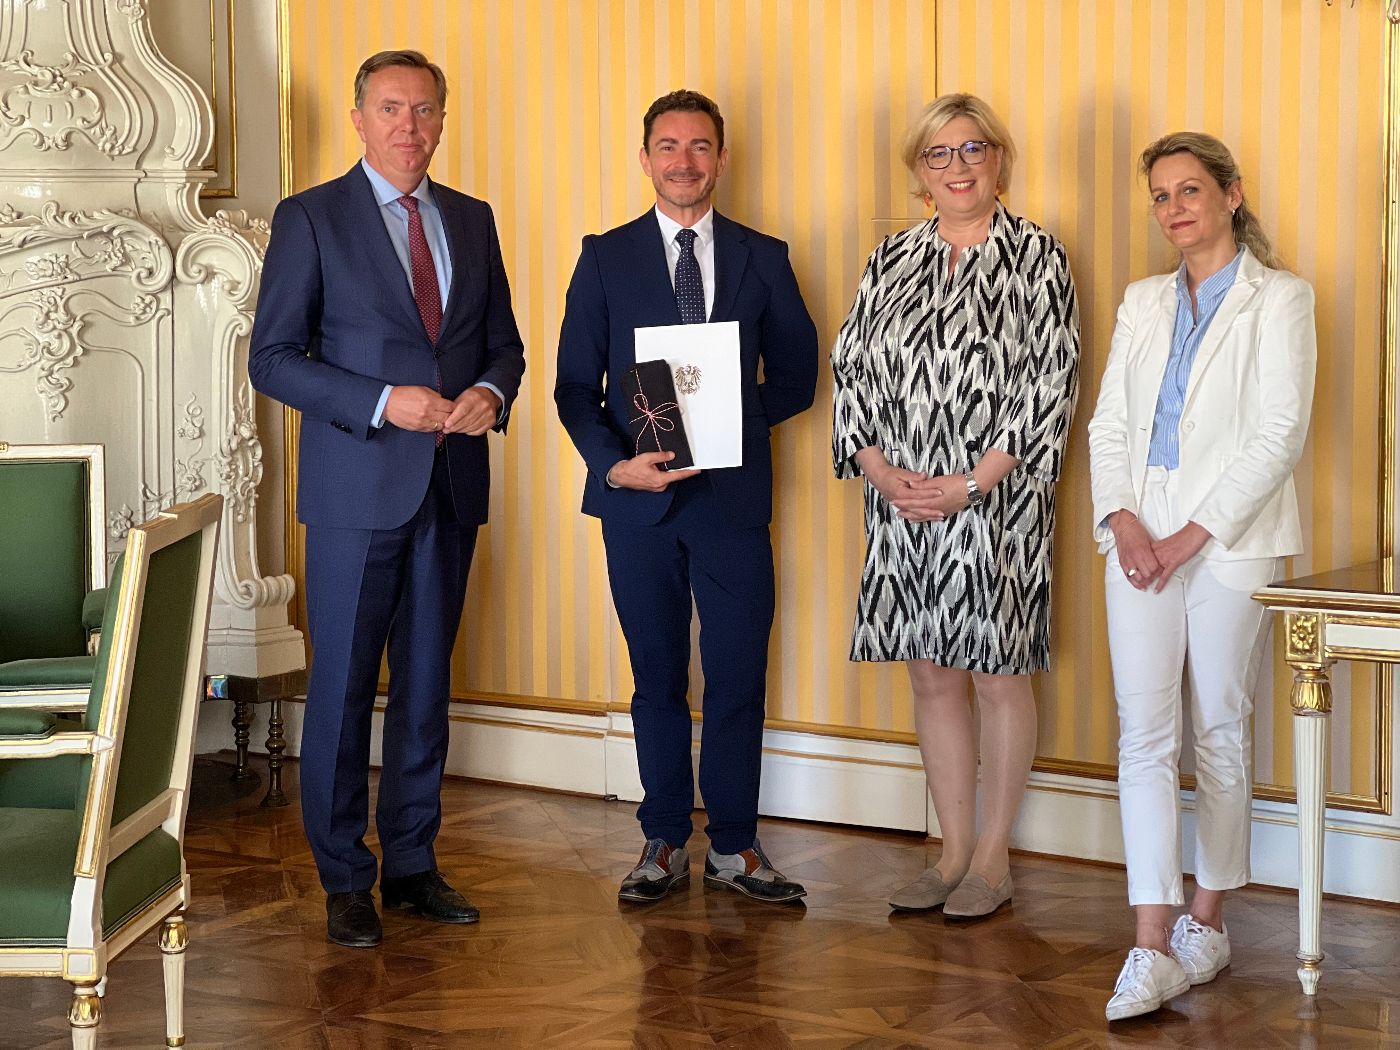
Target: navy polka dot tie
690	289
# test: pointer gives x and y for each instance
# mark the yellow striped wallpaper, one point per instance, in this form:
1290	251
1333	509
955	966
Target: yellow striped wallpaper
544	121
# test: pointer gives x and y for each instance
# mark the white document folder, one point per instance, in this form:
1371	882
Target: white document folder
704	360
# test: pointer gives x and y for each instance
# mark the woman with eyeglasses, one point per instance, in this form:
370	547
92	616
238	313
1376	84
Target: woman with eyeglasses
1200	420
955	378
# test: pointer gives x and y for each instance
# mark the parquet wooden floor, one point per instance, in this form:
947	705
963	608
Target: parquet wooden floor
556	962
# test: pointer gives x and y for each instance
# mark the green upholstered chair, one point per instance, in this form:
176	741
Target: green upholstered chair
53	562
92	820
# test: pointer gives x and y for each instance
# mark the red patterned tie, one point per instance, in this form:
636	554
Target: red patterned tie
425	286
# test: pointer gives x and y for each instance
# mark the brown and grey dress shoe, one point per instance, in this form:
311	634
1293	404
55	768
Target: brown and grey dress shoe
750	872
352	921
975	897
925	893
661	869
428	893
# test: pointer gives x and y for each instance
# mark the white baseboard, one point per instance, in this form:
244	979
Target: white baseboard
809	776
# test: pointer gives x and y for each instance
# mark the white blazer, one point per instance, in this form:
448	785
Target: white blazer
1248	399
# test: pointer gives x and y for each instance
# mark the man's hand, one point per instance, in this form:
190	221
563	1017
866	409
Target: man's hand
474	412
417	408
644	472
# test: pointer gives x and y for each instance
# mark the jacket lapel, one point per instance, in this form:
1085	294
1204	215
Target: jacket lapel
731	256
653	272
365	211
464	266
1247	281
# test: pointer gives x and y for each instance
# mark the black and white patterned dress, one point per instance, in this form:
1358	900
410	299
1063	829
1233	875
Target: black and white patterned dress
935	370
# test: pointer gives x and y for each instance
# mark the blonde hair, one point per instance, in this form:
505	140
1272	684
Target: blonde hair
935	116
1220	165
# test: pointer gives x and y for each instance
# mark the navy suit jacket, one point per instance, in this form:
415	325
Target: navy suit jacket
336	321
622	282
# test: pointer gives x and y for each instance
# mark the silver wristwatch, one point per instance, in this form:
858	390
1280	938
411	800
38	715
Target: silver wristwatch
975	496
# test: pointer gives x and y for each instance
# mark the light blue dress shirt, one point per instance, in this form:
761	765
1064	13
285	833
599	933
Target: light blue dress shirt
1187	335
395	217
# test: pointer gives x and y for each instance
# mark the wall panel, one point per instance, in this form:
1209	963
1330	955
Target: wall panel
544	122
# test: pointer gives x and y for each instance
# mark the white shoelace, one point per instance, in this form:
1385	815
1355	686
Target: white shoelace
1193	937
1134	970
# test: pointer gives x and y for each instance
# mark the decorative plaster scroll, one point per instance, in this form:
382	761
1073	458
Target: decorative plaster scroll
53	109
97	242
57	337
240	458
120	522
223	260
189	472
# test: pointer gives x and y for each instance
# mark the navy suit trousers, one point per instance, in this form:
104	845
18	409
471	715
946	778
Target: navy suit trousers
654	571
365	587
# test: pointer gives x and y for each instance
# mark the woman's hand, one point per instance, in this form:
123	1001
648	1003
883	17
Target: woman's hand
1136	556
933	499
894	483
1176	550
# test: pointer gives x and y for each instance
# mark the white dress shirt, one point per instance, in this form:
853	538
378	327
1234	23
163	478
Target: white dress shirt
704	251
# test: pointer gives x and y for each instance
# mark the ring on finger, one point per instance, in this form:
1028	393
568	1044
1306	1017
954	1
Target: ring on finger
1132	573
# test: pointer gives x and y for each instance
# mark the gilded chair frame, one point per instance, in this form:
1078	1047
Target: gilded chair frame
68	699
84	957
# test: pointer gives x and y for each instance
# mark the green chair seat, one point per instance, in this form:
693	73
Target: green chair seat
36	880
24	722
54	672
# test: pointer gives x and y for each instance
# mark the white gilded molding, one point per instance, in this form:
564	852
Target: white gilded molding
97	242
223	261
126	320
52	108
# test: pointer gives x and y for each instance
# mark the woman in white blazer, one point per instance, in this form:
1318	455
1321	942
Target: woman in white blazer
1200	420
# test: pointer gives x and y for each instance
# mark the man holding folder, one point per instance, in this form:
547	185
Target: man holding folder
673	534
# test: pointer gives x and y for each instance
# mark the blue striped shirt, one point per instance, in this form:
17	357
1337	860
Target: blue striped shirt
1187	334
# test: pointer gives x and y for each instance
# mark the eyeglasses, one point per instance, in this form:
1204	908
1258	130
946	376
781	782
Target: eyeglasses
973	152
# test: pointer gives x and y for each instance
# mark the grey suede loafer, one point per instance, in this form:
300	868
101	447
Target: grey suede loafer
974	898
925	893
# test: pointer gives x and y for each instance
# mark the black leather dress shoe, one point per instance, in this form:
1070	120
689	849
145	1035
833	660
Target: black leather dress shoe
429	894
352	921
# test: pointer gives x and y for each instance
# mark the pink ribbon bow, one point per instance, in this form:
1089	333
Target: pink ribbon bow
654	419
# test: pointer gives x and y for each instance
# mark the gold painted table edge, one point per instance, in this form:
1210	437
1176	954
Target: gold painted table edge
1310	614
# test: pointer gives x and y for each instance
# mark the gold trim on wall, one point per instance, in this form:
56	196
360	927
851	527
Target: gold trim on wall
292	538
231	50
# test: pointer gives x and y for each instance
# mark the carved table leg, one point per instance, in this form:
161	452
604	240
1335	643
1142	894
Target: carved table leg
1312	708
242	723
276	745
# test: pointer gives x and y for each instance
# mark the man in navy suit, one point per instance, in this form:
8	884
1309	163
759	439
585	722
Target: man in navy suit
385	319
671	535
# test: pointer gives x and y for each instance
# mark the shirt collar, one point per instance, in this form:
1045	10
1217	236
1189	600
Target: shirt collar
385	192
1213	287
704	228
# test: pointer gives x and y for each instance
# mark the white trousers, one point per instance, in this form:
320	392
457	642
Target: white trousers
1204	620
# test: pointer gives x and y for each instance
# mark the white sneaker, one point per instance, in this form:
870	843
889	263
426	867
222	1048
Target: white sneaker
1202	951
1147	980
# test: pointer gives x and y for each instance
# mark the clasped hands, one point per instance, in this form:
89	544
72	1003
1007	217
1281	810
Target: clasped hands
918	497
1146	561
474	411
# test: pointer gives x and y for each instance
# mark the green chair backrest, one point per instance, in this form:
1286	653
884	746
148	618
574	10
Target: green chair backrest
44	573
164	651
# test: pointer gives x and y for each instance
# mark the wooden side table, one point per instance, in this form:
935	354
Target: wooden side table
243	693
